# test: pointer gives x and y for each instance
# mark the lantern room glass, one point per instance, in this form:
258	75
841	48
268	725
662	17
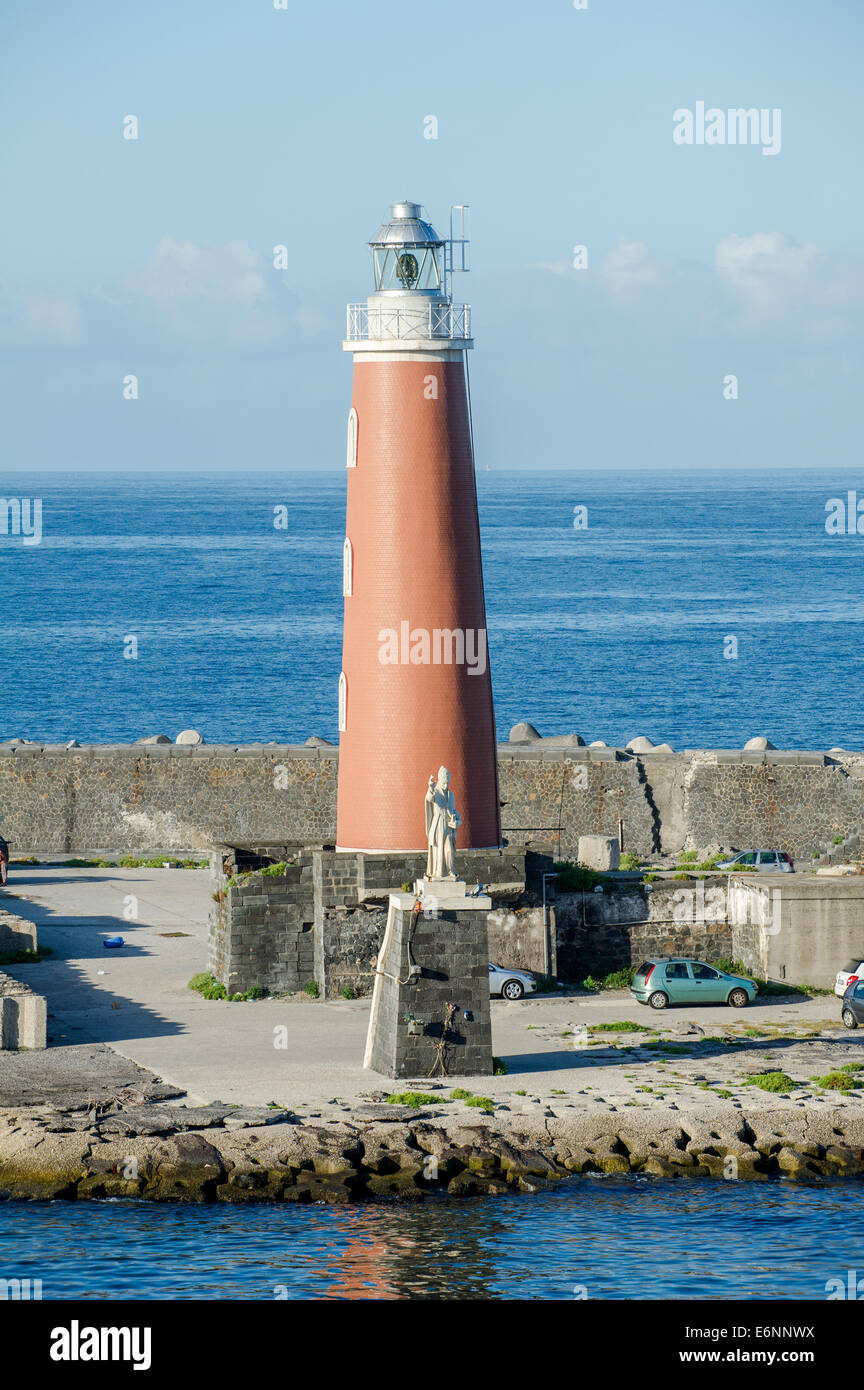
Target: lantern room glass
403	268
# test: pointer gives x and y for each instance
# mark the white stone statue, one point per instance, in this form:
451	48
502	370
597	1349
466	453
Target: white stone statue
442	823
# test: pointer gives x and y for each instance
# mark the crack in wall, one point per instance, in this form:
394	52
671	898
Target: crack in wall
656	823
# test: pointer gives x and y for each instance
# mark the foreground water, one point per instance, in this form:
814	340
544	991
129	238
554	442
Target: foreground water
610	631
601	1237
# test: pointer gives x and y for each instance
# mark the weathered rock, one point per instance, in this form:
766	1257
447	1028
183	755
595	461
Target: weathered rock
386	1148
641	744
795	1164
120	1168
532	1185
315	742
609	1154
387	1114
613	1163
312	1186
254	1161
34	1163
187	1169
397	1174
843	1161
759	744
162	1119
660	1167
476	1184
517	1158
189	737
251	1116
258	1185
152	738
45	1152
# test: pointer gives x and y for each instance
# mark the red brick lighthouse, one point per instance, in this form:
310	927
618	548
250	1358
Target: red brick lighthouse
415	691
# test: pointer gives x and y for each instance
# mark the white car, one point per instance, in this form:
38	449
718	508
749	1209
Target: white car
764	861
854	970
510	984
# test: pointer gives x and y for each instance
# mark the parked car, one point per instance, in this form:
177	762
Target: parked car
510	984
853	970
764	861
665	980
853	1004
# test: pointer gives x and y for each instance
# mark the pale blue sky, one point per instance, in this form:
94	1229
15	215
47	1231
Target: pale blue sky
261	127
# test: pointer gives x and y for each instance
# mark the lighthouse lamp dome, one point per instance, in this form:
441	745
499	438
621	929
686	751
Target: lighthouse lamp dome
408	253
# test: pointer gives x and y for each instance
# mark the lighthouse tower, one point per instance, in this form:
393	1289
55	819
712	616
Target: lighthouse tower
415	691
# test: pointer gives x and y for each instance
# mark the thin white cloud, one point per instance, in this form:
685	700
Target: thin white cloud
623	272
768	272
186	295
755	281
226	295
553	267
628	269
39	317
184	270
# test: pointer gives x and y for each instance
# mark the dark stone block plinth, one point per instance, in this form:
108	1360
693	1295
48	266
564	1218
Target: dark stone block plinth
426	964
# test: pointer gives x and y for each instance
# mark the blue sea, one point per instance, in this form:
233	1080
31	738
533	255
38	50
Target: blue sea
600	1238
617	629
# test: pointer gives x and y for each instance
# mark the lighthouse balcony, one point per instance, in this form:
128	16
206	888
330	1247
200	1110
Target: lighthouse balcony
425	321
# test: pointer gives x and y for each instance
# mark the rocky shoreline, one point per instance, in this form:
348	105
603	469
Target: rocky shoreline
141	1143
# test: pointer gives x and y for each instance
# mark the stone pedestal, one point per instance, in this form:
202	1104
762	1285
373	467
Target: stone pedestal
430	961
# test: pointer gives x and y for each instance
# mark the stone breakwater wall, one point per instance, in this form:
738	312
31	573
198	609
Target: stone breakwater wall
599	933
219	1153
166	798
282	917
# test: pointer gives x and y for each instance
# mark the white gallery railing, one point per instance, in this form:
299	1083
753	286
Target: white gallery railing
424	320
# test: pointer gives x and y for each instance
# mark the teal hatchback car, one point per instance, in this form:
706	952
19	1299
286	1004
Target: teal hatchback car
681	980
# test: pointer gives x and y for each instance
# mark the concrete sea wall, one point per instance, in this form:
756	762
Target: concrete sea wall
599	933
220	1153
283	917
797	929
134	798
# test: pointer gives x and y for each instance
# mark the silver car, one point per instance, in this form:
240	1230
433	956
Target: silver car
510	984
764	861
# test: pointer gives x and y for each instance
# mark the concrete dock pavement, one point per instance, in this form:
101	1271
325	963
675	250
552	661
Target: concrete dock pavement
308	1053
136	999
